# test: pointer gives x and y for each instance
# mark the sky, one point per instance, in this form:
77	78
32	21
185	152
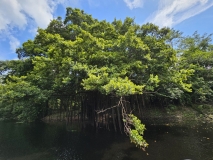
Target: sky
20	19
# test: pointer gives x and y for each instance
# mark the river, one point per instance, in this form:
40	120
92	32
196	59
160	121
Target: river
41	141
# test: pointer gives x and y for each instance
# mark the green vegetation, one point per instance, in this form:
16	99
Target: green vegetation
80	67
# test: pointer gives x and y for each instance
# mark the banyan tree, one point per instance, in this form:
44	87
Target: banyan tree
91	70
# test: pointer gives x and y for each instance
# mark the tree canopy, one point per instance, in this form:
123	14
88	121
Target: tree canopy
81	56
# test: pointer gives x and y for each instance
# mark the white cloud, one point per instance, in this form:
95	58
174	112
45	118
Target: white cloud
134	3
39	11
10	14
172	12
14	43
19	14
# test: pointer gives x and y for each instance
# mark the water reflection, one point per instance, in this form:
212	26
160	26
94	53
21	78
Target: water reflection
59	142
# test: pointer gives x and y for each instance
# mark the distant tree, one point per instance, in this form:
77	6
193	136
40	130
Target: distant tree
197	54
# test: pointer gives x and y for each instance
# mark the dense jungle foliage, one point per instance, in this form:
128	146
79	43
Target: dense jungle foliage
85	65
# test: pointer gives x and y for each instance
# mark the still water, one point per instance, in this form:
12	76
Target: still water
40	141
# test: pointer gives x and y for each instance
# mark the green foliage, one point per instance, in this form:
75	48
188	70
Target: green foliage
152	83
136	134
81	53
122	87
197	55
21	100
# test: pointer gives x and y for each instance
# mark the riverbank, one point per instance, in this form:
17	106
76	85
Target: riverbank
171	115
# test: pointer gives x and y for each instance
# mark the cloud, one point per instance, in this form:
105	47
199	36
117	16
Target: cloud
172	12
93	3
14	43
134	3
10	14
16	15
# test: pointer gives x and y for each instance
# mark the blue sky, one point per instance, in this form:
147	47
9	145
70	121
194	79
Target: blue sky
19	19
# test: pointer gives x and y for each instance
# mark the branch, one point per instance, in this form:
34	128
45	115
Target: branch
104	110
129	120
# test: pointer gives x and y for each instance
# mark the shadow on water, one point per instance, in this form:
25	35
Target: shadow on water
59	142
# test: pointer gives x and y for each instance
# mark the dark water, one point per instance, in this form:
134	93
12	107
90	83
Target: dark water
40	141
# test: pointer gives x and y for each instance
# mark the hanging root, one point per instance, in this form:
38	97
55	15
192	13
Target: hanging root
130	121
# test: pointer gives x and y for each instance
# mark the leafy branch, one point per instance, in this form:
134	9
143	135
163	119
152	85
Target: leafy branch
132	125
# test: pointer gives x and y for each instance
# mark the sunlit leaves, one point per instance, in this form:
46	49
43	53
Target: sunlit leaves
122	87
152	82
120	58
136	134
197	55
